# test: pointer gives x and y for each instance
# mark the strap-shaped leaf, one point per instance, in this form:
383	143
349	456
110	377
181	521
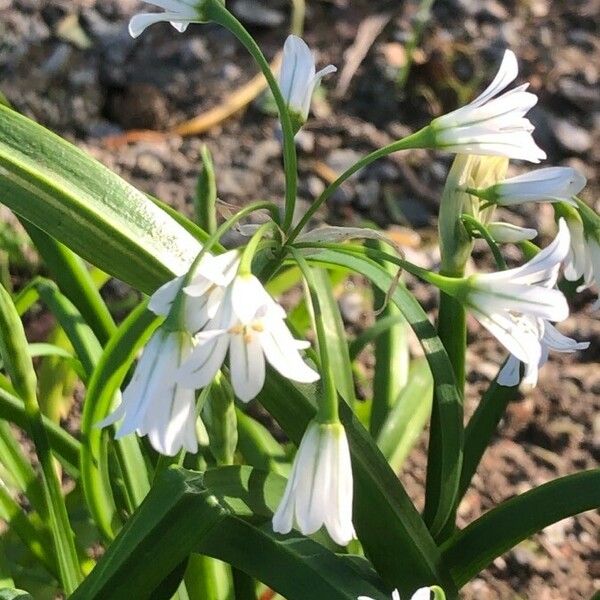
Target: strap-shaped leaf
448	402
408	416
502	528
65	447
74	280
222	512
81	203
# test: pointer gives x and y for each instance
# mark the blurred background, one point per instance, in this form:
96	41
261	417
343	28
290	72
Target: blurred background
145	107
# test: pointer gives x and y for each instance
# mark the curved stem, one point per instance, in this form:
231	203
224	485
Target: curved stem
419	139
473	224
217	12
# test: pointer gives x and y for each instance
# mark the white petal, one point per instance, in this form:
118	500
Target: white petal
247	364
204	361
533	300
248	296
281	350
162	299
520	340
312	496
338	520
558	342
297	73
139	23
507	73
510	375
423	593
505	233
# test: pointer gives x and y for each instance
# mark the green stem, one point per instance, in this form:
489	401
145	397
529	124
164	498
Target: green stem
251	248
298	14
217	12
327	411
473	225
20	368
419	139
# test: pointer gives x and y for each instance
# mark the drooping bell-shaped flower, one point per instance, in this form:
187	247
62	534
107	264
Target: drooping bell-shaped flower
251	326
551	340
298	78
493	123
203	293
180	13
553	184
509	304
153	403
319	489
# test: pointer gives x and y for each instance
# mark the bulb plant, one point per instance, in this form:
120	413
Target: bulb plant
188	494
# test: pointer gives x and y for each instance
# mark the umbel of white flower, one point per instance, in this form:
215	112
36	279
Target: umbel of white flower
154	403
298	78
204	292
180	13
583	259
510	303
492	124
423	593
251	326
550	339
553	184
319	489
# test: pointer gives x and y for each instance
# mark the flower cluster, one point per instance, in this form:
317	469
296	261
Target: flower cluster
221	310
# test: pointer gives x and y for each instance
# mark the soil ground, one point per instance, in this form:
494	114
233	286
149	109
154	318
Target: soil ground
72	66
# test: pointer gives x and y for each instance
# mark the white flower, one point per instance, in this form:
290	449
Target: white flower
298	77
505	233
250	324
319	490
180	13
153	403
550	339
553	184
204	293
423	593
492	124
510	303
583	259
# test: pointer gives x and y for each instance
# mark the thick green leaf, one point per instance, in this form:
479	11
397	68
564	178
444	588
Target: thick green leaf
213	513
448	403
94	451
102	392
482	426
408	416
74	281
390	529
503	527
336	337
14	594
258	446
13	347
65	447
81	203
392	357
21	472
